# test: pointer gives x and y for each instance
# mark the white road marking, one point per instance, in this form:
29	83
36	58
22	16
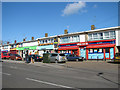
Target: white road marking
61	64
53	65
5	73
48	83
13	67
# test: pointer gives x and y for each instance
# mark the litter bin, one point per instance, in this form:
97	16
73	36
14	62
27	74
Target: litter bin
46	58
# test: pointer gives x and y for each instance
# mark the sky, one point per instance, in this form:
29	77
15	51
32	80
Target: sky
34	19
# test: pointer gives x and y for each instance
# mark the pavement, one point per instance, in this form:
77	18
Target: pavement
94	65
18	74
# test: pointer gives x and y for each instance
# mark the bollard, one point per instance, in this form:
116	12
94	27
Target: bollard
32	60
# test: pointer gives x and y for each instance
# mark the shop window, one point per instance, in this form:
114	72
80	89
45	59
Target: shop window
100	50
95	50
90	50
106	50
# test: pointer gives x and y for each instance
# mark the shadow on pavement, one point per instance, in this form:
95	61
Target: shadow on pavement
114	62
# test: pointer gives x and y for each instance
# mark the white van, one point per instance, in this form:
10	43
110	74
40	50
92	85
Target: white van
57	57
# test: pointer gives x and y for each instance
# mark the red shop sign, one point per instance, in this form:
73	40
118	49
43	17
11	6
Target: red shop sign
82	43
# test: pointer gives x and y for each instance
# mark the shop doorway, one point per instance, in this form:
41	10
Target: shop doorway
75	52
107	53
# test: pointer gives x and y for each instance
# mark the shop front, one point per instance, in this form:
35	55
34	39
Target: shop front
82	46
29	49
45	49
102	49
13	51
69	48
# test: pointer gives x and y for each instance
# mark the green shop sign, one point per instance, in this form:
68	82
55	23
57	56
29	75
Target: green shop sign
20	48
27	48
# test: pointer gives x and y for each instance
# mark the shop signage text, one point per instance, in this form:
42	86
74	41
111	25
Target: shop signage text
45	44
82	44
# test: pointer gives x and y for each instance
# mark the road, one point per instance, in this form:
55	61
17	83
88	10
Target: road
22	75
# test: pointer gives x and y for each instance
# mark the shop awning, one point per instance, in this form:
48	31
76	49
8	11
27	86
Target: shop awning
101	46
68	48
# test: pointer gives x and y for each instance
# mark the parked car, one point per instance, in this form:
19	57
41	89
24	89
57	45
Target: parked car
117	58
5	55
57	57
72	57
15	57
36	57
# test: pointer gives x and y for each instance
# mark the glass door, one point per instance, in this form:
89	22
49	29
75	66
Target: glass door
107	53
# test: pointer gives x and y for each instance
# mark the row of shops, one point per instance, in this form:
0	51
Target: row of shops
102	49
80	44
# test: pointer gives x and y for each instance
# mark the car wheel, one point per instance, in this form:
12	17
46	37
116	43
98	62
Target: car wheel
82	58
56	61
77	60
64	61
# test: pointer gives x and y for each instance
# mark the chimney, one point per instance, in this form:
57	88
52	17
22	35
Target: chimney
65	31
15	41
46	34
92	27
24	39
7	42
32	38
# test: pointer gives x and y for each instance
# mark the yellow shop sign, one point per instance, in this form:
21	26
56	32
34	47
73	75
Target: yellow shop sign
45	44
13	49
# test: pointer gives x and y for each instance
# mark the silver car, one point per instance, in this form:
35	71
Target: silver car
57	57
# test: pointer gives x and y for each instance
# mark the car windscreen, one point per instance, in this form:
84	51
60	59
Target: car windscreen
62	54
4	53
117	54
37	55
54	55
17	55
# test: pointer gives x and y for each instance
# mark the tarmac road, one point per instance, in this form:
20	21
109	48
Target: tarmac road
21	75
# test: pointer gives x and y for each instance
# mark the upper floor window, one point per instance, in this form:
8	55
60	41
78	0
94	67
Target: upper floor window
46	41
95	36
101	35
109	35
112	34
106	35
49	41
70	39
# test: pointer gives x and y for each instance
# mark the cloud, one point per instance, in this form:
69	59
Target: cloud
95	6
74	8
